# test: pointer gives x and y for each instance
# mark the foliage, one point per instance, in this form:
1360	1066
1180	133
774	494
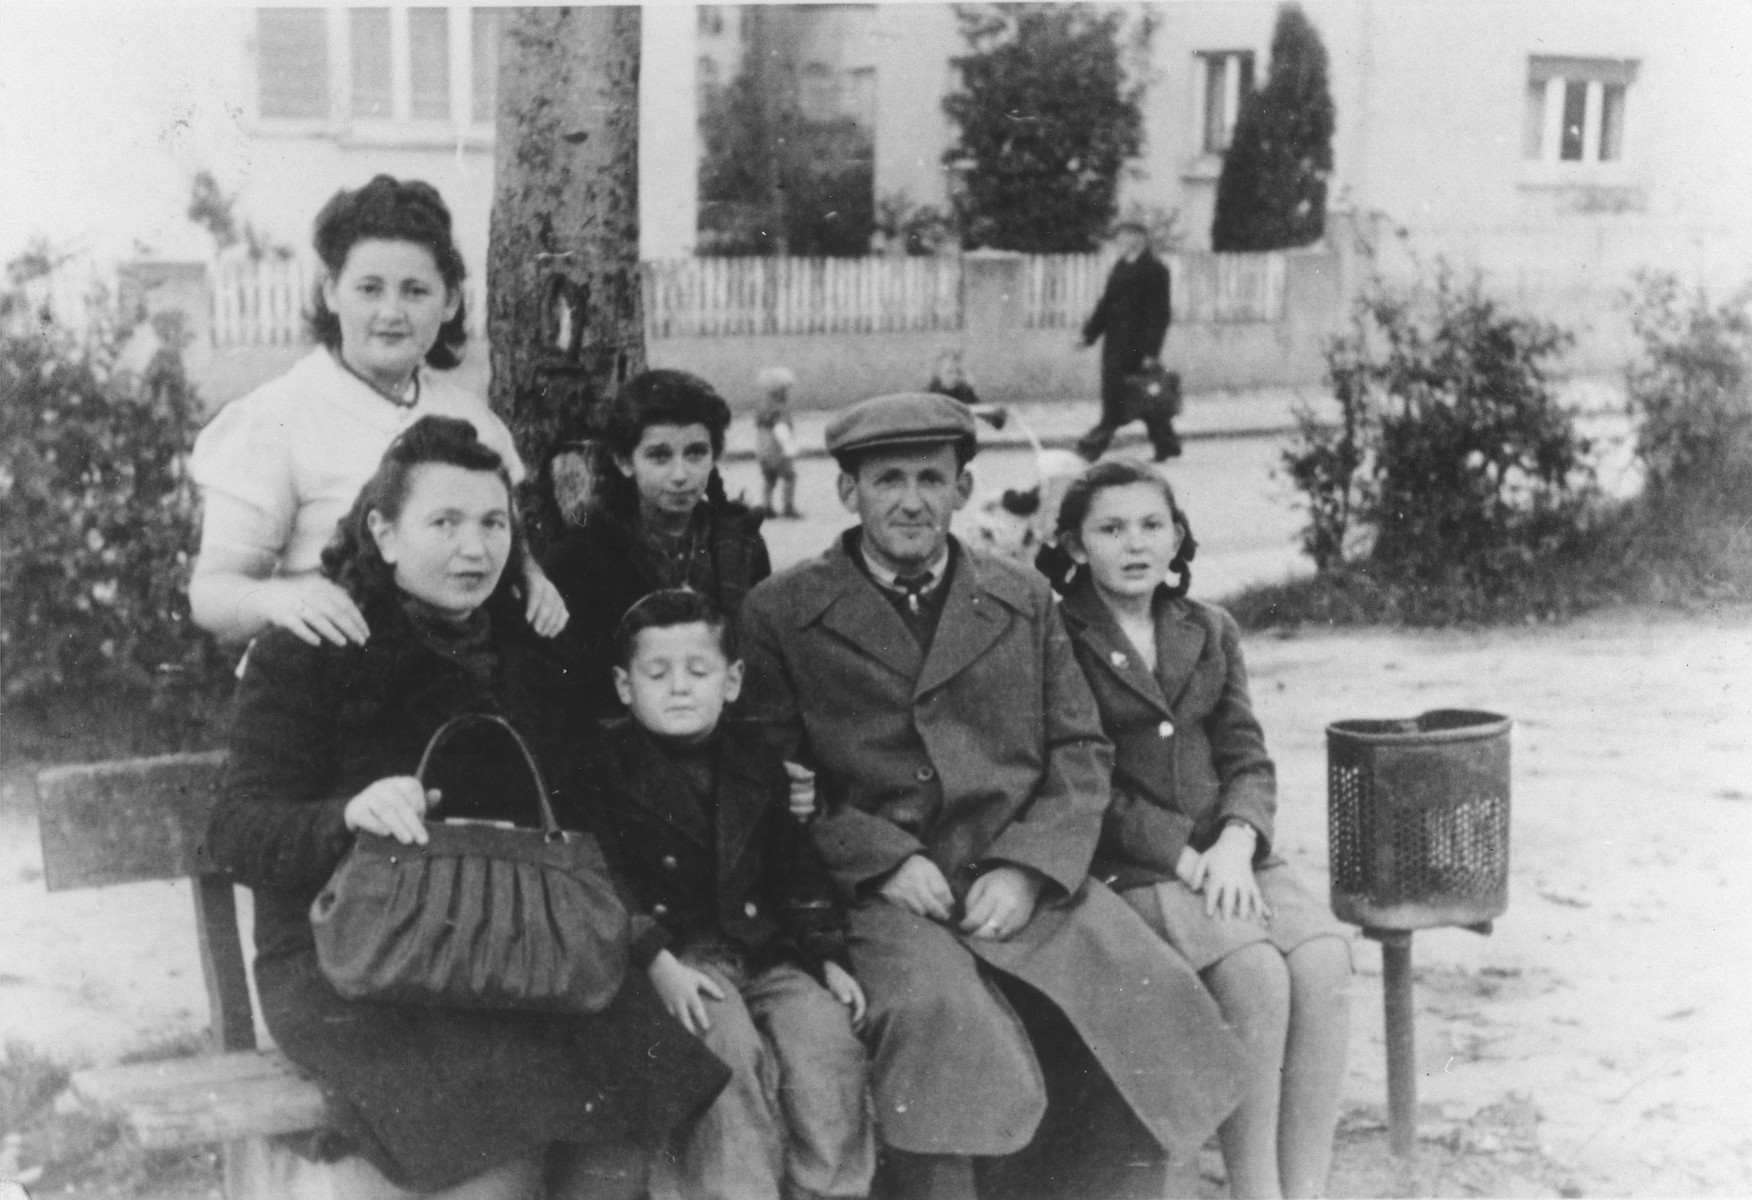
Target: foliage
1272	192
216	212
1047	120
775	182
913	229
1160	223
1453	467
98	519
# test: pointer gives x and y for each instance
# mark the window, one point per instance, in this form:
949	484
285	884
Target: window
1225	80
368	46
484	24
293	46
393	64
1576	109
862	88
818	96
711	20
428	64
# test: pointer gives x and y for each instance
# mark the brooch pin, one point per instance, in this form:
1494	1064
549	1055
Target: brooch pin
1118	658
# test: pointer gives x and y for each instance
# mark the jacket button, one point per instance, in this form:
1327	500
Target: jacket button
1165	729
660	910
669	861
750	909
925	774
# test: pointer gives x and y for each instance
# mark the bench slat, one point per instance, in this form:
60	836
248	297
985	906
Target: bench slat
127	821
211	1098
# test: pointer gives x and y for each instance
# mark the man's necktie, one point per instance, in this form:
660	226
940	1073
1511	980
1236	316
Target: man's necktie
914	586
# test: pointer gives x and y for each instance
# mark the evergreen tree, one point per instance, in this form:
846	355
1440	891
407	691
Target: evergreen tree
1272	193
1047	122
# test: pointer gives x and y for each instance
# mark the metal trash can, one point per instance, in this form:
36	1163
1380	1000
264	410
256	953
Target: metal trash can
1418	816
1418	821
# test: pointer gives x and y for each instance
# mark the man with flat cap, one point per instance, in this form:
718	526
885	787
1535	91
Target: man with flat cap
963	777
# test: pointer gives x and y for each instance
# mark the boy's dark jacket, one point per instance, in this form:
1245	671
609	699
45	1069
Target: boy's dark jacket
750	877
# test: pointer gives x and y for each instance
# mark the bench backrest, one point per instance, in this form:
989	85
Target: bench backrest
144	819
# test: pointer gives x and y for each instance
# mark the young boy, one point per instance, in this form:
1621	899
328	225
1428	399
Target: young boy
734	919
776	439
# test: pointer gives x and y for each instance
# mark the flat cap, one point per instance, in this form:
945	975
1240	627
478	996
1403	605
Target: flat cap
902	419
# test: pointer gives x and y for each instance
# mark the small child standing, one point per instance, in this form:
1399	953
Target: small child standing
776	439
734	919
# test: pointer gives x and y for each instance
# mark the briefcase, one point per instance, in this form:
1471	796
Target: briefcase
1152	394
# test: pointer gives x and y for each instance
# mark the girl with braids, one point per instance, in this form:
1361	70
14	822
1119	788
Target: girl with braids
662	521
1187	836
278	467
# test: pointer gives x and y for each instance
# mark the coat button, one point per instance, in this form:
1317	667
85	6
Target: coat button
660	910
750	909
1165	729
925	774
669	861
1118	659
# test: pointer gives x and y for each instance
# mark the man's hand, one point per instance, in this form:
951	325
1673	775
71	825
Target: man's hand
1001	902
918	886
683	991
546	610
846	990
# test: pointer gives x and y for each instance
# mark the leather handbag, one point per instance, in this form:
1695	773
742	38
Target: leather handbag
1152	394
485	915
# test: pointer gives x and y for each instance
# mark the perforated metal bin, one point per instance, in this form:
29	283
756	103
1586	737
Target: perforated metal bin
1418	814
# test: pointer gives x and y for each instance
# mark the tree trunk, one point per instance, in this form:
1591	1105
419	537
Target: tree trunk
565	314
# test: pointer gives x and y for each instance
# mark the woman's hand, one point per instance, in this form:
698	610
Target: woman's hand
1229	887
313	608
546	611
846	990
683	991
394	807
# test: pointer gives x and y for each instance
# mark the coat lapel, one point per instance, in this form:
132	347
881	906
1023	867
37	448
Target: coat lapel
860	615
972	620
1179	643
1112	650
742	802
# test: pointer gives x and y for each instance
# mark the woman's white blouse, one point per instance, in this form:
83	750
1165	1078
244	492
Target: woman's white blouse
278	468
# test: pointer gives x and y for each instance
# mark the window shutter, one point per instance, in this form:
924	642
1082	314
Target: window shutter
292	59
368	29
429	63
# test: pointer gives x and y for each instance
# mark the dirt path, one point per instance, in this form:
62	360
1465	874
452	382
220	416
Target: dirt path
1596	1043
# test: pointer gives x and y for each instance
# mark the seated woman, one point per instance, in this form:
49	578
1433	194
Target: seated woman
278	467
661	521
325	742
1187	837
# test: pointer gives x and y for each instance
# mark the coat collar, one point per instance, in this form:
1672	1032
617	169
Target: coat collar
976	612
1179	643
657	785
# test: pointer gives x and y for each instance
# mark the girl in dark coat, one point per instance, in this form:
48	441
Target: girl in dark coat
662	521
1187	836
325	742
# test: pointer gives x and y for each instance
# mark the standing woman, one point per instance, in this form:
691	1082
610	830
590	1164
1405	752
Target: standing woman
280	466
325	742
1187	836
662	521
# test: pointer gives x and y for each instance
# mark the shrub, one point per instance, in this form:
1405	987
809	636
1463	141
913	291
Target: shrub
98	526
1272	192
1453	467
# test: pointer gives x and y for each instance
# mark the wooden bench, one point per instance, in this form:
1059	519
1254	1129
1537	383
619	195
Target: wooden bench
144	819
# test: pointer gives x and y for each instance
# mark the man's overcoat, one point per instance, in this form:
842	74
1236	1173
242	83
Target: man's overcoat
988	750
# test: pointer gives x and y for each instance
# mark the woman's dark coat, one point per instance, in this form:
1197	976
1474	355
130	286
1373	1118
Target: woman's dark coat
746	873
1188	753
604	567
431	1095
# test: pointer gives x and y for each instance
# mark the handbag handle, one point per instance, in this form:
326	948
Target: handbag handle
550	824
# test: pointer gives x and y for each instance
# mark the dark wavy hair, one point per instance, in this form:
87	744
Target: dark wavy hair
1113	473
666	609
391	210
352	558
660	397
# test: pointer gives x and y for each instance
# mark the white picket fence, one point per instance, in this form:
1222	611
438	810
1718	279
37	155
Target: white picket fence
262	302
1205	288
719	297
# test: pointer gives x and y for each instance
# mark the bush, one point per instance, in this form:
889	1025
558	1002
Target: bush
1453	470
98	526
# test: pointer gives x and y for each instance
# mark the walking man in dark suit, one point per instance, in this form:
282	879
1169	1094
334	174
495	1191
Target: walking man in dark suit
1131	321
